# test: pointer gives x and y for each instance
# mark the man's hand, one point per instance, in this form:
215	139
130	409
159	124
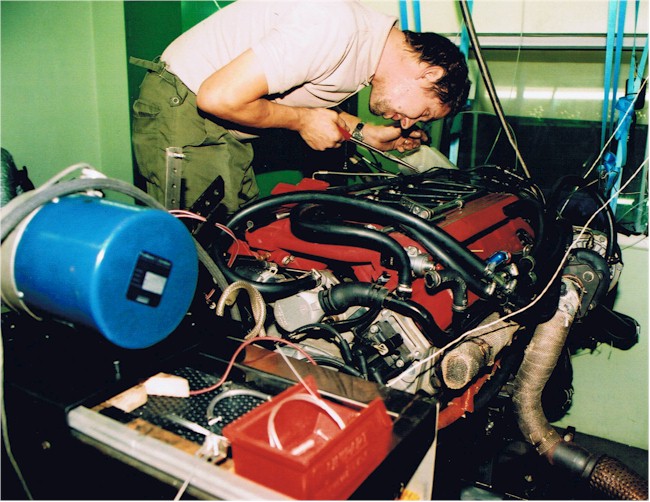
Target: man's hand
321	128
394	138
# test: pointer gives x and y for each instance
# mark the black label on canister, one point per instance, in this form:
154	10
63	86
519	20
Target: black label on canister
149	279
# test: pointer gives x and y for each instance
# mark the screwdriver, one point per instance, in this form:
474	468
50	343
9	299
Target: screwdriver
389	156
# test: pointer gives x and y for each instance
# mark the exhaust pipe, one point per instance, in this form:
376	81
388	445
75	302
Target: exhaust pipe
605	475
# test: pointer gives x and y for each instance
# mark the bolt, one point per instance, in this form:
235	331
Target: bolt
118	374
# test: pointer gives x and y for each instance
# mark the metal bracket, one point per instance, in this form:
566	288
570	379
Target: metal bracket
173	174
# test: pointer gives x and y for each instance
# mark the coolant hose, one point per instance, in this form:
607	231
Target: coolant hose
449	279
604	474
341	297
271	291
304	226
440	244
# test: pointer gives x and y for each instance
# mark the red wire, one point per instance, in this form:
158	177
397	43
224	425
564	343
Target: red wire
231	363
179	213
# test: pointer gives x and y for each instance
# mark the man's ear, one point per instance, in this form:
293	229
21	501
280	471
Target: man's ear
433	73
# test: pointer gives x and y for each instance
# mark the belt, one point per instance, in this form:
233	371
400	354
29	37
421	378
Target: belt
160	68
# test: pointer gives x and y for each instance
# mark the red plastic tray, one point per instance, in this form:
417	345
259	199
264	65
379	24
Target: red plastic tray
318	459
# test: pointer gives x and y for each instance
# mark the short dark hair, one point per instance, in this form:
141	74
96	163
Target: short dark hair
452	89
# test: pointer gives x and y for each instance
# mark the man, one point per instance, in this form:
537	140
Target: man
259	64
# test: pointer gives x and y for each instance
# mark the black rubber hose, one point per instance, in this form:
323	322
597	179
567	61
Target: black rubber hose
421	316
271	291
449	279
341	297
470	281
335	363
363	363
318	326
446	249
365	319
570	180
324	231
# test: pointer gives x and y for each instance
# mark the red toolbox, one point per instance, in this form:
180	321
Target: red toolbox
310	448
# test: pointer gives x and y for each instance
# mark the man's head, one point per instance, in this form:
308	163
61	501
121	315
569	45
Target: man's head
423	77
435	50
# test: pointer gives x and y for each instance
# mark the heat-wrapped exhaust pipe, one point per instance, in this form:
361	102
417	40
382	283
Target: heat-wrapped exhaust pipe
461	365
604	474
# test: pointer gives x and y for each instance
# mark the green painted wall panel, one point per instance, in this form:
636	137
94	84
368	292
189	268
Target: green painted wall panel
112	90
63	86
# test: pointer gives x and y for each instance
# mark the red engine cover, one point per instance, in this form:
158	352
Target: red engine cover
481	225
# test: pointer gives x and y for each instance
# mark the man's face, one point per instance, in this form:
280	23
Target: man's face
407	99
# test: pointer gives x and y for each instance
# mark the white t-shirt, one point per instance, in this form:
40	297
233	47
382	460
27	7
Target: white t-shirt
314	53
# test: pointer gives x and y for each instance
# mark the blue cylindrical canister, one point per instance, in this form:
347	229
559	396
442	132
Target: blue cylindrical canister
129	272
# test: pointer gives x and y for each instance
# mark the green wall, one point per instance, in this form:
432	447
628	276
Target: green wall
64	93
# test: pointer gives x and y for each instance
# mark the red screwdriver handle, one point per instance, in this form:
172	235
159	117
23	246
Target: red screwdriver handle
345	133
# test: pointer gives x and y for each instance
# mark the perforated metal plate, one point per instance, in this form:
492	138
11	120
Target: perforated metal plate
231	402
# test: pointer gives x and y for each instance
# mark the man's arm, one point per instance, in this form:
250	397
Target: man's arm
237	93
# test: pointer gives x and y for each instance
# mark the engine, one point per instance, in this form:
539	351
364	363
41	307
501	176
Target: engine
418	282
463	284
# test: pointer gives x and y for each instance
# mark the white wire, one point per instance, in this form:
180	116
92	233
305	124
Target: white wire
635	243
187	482
313	397
274	439
339	173
538	298
295	372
